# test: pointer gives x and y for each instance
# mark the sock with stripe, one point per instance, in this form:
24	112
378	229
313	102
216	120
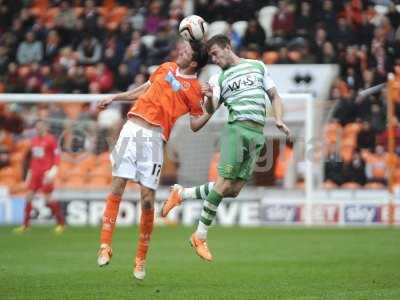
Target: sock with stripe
109	218
210	206
197	192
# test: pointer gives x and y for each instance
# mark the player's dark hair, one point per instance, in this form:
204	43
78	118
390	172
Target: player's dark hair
220	40
200	54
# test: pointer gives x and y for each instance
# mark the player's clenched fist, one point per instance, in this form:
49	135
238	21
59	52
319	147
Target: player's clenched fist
105	102
206	89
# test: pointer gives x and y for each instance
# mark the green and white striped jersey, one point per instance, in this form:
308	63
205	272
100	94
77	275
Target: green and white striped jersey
242	88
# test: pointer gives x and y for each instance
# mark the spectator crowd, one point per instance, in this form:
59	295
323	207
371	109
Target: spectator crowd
53	46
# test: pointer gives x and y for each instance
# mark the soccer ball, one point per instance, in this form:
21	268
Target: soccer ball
193	28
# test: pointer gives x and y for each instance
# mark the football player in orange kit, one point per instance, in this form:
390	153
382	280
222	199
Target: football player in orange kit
171	91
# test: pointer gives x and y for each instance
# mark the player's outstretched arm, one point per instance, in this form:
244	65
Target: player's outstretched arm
126	96
278	110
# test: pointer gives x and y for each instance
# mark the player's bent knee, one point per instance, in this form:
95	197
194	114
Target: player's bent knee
147	198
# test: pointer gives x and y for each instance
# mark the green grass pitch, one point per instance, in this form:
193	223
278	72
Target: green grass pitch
250	263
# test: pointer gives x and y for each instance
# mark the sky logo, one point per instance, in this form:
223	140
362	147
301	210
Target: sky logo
173	82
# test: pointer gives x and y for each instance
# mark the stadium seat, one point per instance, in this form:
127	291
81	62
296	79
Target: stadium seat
148	40
11	172
16	158
115	17
240	27
23	145
98	182
217	27
103	158
265	17
75	182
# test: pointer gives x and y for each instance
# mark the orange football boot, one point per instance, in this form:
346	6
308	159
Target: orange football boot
104	255
174	199
200	246
139	271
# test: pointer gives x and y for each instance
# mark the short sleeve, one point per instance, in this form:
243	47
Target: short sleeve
159	71
268	82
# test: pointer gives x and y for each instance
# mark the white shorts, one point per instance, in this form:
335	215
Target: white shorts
138	155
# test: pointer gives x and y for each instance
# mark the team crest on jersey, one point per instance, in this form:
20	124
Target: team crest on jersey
173	82
186	85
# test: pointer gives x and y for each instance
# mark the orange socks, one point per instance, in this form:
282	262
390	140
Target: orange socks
145	230
109	218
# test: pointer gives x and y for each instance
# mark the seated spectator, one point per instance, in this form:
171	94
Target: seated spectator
283	21
29	50
333	166
89	51
51	47
254	35
65	21
354	170
376	166
366	137
345	111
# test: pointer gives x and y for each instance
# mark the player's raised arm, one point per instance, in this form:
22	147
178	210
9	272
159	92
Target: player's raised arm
125	96
212	94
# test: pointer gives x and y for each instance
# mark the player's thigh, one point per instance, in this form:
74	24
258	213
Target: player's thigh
253	144
124	154
150	161
232	153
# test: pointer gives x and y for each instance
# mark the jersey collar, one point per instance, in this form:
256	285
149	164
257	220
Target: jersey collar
178	73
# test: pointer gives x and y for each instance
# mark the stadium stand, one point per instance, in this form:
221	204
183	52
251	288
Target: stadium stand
107	46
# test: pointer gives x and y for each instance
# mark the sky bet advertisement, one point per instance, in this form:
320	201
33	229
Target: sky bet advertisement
257	212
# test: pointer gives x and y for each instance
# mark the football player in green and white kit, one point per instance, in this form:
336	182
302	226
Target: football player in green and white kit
242	87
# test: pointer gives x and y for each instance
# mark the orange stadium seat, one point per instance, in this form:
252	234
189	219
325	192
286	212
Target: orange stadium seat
75	182
17	158
103	158
22	146
12	172
98	182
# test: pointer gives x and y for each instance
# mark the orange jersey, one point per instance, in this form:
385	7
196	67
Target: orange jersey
169	96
